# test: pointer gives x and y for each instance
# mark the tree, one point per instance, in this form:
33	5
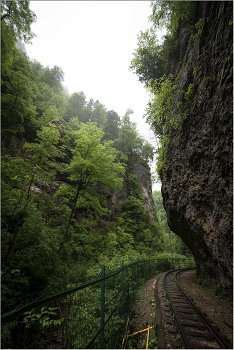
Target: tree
54	77
92	163
150	60
18	17
168	14
49	96
112	126
131	143
147	63
18	177
128	134
171	240
17	103
8	46
75	107
99	115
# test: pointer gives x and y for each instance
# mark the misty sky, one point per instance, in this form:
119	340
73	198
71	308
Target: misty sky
93	42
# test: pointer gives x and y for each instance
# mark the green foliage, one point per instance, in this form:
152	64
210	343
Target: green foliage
138	222
133	186
190	92
151	58
133	146
25	243
92	163
31	95
75	106
199	27
168	14
78	107
6	334
28	102
161	157
8	46
46	239
111	127
173	243
151	63
44	317
159	108
53	77
18	18
18	111
147	62
42	155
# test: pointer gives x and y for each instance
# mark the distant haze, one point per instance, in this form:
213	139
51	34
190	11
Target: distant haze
93	42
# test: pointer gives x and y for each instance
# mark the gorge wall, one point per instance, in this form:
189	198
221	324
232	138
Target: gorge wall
143	175
197	181
114	199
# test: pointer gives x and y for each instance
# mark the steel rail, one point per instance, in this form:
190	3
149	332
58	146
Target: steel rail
207	326
184	339
221	341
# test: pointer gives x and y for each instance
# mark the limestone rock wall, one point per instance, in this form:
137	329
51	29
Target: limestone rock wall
144	179
142	172
197	183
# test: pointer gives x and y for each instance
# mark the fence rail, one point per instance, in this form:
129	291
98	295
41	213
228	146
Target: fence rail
89	315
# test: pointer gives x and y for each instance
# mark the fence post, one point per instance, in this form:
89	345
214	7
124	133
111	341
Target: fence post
144	267
132	276
102	340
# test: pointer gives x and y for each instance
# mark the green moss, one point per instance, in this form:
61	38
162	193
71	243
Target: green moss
199	27
195	71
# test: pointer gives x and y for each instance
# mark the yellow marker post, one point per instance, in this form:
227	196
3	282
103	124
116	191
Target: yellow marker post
144	330
148	337
125	340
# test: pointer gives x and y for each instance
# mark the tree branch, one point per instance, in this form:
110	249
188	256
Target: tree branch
9	12
69	221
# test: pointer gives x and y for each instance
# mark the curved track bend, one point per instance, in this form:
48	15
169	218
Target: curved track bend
195	330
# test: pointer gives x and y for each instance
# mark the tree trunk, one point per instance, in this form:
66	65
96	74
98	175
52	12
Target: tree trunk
69	221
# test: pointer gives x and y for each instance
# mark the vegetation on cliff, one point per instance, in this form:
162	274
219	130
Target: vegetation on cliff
173	244
168	104
190	78
63	157
50	138
53	236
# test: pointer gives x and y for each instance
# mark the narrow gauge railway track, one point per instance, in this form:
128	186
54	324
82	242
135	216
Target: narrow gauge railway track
194	328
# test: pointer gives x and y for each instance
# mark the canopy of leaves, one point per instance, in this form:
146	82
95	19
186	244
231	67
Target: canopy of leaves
147	63
92	163
168	14
131	143
47	135
151	64
150	60
18	18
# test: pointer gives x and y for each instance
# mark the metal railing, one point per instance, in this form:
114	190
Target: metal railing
92	314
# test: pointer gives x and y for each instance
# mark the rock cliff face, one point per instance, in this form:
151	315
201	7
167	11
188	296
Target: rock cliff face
142	172
197	183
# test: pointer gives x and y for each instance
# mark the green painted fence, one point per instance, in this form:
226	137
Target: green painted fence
90	315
